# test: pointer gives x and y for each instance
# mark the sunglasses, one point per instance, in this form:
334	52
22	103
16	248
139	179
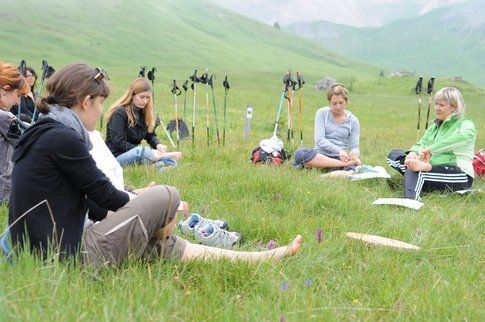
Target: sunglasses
101	74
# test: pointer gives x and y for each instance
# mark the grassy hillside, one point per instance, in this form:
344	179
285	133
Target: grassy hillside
445	42
173	35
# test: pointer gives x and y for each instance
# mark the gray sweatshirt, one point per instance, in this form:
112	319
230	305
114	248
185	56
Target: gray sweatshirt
331	137
9	135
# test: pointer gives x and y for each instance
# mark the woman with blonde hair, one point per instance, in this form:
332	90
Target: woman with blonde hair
12	86
130	120
336	134
442	158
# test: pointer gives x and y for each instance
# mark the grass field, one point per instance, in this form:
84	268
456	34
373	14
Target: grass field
337	279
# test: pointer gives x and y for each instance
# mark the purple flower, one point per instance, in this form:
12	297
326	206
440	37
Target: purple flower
282	318
308	282
271	244
319	235
285	286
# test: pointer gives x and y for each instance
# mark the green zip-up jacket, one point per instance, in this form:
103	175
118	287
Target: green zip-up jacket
452	142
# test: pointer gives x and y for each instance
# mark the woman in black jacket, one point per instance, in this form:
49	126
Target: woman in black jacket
130	120
26	107
54	176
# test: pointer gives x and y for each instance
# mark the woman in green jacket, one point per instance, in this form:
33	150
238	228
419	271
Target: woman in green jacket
442	158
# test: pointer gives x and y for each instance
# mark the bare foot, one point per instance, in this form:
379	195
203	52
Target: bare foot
418	165
279	253
295	245
173	155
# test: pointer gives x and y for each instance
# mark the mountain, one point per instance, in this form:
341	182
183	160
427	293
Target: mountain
173	35
358	13
443	42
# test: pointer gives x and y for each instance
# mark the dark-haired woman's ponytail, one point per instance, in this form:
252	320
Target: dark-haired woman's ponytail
43	105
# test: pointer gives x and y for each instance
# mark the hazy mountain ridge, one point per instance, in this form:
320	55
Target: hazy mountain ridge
357	13
446	41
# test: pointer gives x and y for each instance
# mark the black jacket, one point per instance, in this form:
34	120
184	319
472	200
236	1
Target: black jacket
52	163
27	108
121	138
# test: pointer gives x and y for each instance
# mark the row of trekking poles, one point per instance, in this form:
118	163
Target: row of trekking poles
291	85
177	125
419	92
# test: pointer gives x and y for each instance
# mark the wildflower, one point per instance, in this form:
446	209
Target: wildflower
271	244
308	282
319	235
285	286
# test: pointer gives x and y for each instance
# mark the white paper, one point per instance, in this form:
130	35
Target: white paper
404	202
369	175
468	191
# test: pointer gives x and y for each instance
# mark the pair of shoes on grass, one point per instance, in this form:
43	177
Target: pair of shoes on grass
209	232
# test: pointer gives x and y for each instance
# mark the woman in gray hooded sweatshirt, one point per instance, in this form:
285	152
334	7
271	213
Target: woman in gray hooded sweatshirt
12	86
336	136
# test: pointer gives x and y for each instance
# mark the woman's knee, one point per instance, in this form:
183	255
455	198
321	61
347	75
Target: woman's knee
303	156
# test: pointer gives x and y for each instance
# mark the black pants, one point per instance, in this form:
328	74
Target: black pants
441	177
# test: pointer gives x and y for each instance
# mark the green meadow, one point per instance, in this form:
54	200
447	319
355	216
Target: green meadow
337	279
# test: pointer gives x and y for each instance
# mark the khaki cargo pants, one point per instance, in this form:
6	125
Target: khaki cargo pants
129	232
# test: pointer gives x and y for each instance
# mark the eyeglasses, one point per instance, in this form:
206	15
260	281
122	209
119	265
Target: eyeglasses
29	76
101	74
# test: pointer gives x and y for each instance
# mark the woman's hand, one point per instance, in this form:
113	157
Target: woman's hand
411	155
353	155
344	157
162	148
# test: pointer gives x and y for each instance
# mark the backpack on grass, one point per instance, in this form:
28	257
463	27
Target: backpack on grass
479	163
270	151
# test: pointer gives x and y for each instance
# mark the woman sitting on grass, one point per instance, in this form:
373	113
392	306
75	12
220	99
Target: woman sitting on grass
442	158
27	101
54	174
130	120
12	85
336	136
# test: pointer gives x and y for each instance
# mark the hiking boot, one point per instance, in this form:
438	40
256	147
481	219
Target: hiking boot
189	225
214	236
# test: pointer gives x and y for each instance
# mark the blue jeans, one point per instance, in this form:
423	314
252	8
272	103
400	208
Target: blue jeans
144	155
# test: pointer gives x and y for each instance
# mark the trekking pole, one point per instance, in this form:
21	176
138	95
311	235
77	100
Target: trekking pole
22	69
185	87
292	109
418	90
142	72
176	92
288	97
301	82
204	79
151	78
225	83
47	71
195	80
215	110
430	93
286	84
